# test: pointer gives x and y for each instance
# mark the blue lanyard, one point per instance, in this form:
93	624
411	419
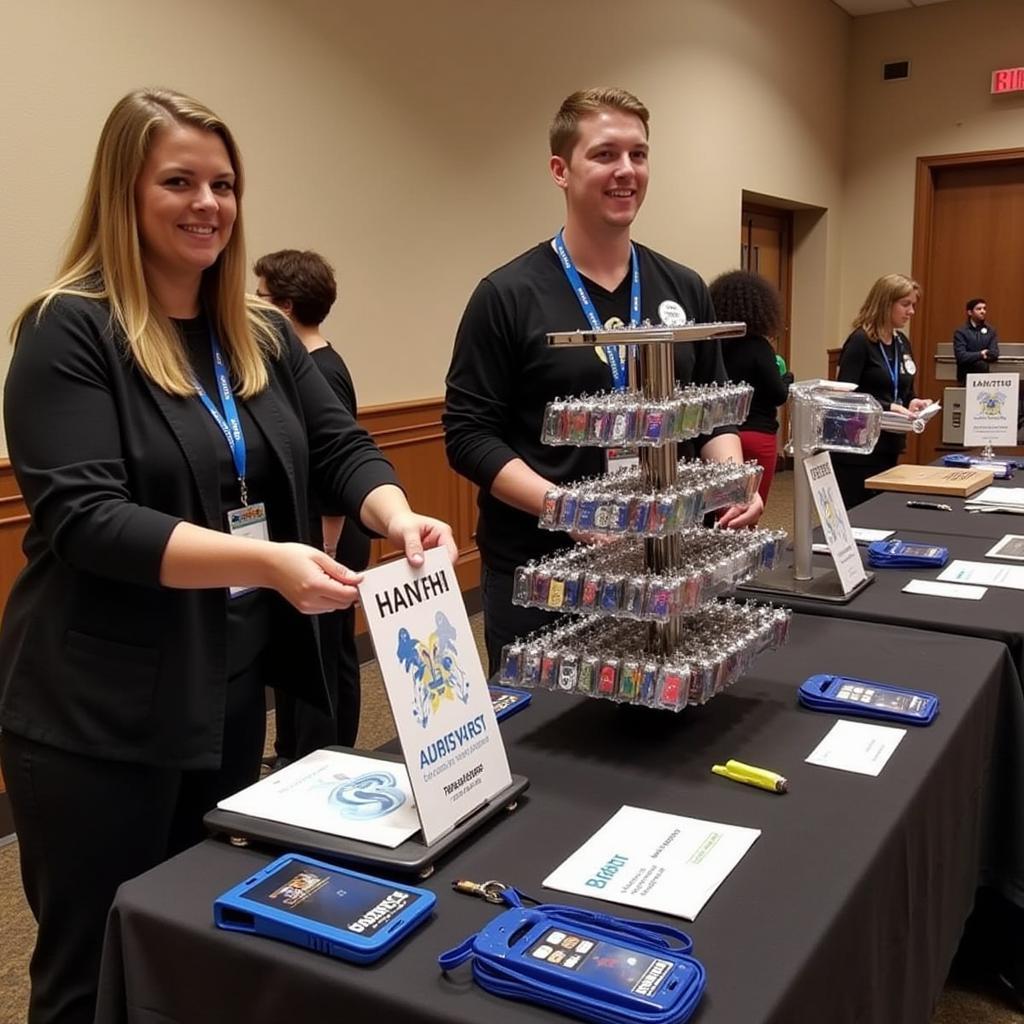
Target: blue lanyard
589	310
229	423
894	367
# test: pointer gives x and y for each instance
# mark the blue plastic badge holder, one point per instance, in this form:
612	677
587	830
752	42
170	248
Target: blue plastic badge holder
865	698
906	554
1002	469
600	968
506	700
319	906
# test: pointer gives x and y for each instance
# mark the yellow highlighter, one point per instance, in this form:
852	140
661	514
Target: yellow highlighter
751	776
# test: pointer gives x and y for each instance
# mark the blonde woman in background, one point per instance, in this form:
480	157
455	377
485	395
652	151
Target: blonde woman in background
877	358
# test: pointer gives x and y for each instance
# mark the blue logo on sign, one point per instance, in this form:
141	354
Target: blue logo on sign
369	796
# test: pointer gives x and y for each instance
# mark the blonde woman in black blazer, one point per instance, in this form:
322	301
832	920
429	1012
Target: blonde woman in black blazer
131	674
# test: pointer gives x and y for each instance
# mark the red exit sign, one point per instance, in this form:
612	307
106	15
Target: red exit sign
1008	80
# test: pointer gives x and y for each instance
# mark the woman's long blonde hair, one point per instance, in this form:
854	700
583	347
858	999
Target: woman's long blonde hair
104	258
873	318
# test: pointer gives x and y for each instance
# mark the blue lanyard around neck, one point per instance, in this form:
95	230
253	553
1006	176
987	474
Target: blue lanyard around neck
228	421
590	311
894	366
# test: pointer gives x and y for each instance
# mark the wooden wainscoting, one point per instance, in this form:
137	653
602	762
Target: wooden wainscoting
13	522
409	434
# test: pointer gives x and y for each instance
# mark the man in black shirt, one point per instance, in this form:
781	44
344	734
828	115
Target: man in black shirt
503	373
976	343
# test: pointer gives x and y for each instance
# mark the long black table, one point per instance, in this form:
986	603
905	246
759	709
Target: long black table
888	510
847	908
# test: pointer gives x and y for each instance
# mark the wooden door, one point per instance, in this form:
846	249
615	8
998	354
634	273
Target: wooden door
766	248
968	242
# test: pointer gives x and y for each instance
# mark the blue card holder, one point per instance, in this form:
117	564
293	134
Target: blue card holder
906	554
319	906
865	698
506	700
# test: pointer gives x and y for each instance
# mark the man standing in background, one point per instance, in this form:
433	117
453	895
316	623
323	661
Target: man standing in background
976	344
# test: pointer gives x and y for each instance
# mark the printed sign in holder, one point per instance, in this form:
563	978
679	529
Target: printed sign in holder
991	411
413	857
444	716
802	577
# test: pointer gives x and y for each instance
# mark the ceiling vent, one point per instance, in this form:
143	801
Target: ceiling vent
895	70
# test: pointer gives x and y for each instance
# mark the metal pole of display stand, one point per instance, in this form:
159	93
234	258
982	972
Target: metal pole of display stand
659	467
801	577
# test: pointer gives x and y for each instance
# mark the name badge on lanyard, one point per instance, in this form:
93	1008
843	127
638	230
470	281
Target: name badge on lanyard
251	519
619	459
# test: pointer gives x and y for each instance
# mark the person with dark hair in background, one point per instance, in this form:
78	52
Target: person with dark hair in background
878	359
165	429
503	373
743	295
976	343
302	285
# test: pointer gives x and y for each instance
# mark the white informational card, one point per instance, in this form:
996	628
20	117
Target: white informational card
990	409
863	535
1010	499
1011	546
932	588
857	747
835	523
984	574
437	689
342	794
661	862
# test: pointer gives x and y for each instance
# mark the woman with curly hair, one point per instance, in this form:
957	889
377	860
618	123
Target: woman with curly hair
742	295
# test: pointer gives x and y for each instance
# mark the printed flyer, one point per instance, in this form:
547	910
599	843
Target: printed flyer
341	794
657	861
437	689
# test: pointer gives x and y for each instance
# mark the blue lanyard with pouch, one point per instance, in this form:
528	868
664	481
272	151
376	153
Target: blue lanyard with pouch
601	968
894	366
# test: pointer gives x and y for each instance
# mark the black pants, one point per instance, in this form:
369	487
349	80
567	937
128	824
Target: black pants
302	728
852	470
85	825
503	620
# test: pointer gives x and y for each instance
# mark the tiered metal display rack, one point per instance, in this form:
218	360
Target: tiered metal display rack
647	628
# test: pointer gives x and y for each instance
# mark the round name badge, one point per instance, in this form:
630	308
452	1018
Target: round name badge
672	314
909	366
984	330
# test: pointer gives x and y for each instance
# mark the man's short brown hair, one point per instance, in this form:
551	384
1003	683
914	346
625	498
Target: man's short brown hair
305	279
566	126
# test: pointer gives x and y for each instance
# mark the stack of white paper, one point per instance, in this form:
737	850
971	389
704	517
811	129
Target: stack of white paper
997	499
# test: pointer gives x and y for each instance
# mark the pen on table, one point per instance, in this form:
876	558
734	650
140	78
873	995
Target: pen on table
751	776
935	506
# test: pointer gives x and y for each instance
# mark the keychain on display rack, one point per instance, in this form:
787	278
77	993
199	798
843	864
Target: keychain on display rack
650	629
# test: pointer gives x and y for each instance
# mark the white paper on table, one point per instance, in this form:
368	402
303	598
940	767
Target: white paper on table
662	862
984	574
1011	546
1000	497
348	795
857	747
863	535
933	588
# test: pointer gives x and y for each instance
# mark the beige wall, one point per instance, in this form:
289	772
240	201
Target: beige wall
407	141
945	107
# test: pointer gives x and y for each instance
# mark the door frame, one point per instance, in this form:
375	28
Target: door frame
924	208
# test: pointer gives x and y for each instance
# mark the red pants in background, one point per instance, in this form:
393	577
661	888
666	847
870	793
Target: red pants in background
761	447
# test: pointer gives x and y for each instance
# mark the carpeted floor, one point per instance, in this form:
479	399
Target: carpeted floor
960	1003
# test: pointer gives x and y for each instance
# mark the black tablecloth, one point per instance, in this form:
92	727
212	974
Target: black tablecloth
888	511
847	908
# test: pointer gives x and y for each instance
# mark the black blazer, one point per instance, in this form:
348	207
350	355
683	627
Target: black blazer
96	657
